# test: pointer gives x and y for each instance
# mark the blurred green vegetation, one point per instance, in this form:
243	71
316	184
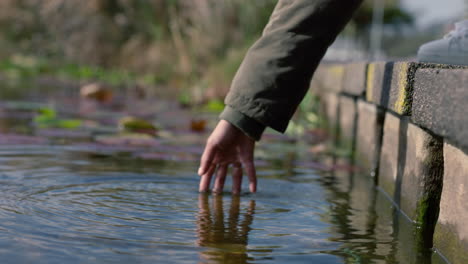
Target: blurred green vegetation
193	47
176	43
47	117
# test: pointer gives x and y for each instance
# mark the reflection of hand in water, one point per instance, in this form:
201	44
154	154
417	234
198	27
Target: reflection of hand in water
225	240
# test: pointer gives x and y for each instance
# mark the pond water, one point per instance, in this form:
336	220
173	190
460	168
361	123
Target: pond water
66	197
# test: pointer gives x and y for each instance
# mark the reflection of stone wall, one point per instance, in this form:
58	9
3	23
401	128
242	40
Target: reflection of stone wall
407	126
466	9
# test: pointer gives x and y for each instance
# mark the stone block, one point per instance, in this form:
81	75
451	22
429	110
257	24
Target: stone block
411	169
348	116
418	189
391	225
354	79
389	153
451	235
390	84
368	137
329	108
440	103
327	78
378	82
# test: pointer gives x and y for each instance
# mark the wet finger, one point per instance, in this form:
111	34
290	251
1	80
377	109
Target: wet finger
206	159
221	173
206	179
251	174
236	180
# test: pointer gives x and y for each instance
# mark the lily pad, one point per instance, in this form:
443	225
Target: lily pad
47	118
214	106
46	122
133	124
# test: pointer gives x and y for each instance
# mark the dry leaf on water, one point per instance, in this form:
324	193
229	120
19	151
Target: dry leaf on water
198	125
96	91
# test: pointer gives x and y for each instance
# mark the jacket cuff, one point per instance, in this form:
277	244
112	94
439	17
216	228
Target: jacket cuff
247	125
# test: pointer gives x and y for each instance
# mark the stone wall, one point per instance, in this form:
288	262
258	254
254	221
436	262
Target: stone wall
407	124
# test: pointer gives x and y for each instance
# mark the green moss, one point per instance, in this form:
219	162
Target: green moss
450	245
427	209
410	78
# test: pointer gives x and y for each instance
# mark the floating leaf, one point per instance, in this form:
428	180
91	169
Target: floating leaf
133	124
198	125
68	123
48	118
96	91
214	106
46	112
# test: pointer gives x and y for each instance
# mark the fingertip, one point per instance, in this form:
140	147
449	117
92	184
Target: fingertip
201	171
216	191
205	182
252	175
201	188
253	187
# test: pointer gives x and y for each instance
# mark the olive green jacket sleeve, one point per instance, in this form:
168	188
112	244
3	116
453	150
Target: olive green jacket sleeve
275	74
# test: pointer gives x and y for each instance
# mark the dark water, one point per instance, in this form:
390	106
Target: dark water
61	206
65	200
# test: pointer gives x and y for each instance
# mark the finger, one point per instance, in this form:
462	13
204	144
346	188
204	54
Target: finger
211	169
206	180
236	180
251	174
220	179
206	159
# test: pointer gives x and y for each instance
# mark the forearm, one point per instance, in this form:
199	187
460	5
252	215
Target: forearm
275	74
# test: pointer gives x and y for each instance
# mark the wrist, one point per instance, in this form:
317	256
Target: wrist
249	126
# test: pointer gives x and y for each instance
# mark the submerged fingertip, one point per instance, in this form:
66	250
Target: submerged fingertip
200	171
253	188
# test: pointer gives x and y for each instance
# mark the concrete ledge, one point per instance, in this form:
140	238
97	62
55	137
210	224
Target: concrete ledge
354	79
451	235
329	107
440	103
328	78
388	168
397	130
421	165
389	85
369	137
378	82
347	119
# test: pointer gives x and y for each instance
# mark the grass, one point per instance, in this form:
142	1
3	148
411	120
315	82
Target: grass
30	67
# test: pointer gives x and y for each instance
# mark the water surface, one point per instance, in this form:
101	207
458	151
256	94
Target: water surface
66	197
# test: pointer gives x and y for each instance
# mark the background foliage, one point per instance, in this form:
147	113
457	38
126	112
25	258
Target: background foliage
172	43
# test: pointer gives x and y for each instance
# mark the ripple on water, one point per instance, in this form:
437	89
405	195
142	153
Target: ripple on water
62	206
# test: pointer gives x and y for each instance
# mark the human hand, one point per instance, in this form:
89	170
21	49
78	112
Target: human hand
227	145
